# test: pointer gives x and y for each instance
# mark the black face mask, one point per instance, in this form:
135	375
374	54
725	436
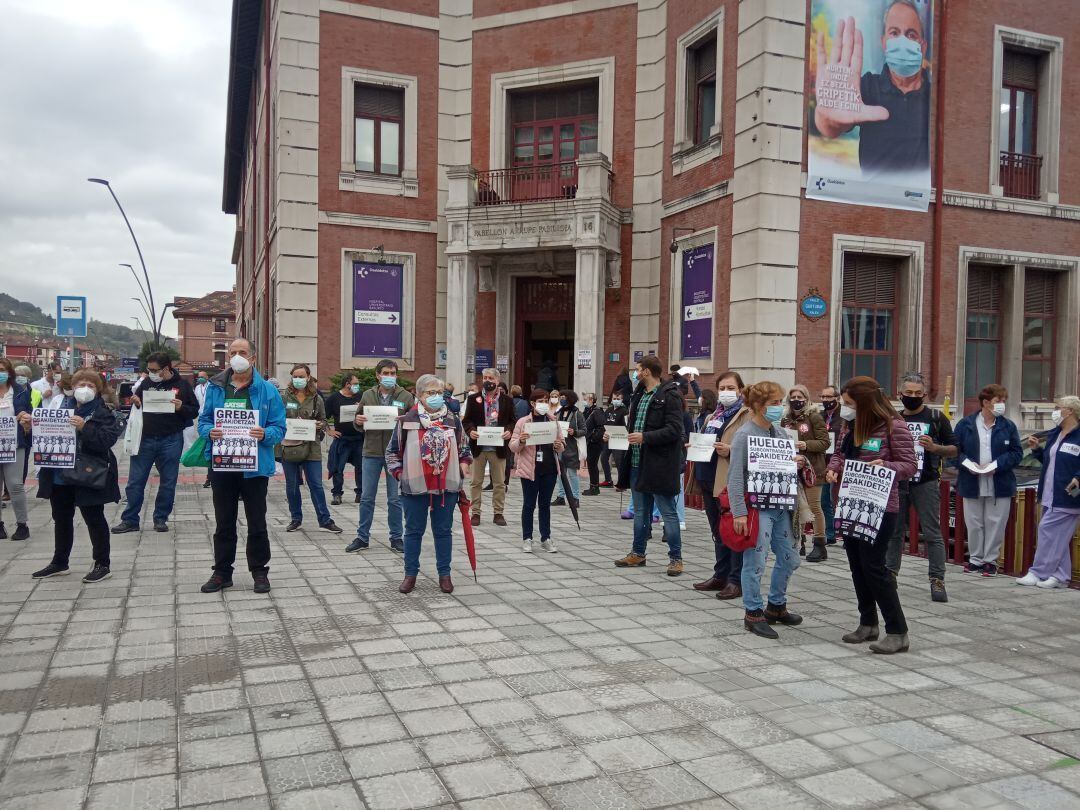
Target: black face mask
489	387
797	404
828	405
912	403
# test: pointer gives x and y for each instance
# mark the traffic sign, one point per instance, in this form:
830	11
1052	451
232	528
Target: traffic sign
70	316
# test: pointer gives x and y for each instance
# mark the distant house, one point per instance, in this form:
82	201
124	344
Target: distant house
204	327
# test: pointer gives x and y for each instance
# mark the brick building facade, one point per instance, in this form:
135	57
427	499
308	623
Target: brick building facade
204	327
528	182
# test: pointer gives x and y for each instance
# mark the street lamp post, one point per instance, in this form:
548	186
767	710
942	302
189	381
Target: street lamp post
149	289
161	319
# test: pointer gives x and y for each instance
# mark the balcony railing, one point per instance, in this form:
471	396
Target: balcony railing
550	181
1020	175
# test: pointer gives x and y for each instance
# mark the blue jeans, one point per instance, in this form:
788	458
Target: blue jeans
574	481
536	493
313	476
374	467
416	508
630	507
827	510
164	452
680	501
644	503
774	531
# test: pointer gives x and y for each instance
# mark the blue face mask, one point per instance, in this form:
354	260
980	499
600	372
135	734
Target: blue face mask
903	56
355	388
3	377
434	402
562	401
299	383
388	382
774	413
633	376
21	380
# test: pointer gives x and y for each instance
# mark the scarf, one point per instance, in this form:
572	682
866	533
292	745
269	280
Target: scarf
434	440
87	410
723	414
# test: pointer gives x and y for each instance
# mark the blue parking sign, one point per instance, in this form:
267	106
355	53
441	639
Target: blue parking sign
70	316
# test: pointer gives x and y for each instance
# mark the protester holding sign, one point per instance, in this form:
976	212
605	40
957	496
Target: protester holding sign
933	436
89	483
812	440
380	406
575	430
493	411
1059	494
760	443
14	445
241	387
348	445
300	451
537	465
989	450
879	438
162	441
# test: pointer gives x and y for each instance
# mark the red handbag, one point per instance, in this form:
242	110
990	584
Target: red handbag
731	538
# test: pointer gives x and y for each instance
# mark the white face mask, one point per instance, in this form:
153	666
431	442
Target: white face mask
68	392
999	409
57	377
727	398
847	413
542	408
84	394
154	376
239	363
1056	417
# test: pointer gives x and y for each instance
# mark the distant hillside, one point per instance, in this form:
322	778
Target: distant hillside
110	337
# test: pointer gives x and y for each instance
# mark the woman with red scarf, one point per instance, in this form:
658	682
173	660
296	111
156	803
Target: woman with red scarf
429	455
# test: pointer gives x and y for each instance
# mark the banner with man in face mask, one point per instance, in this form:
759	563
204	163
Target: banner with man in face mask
868	116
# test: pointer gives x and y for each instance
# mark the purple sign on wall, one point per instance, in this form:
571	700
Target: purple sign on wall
697	302
378	290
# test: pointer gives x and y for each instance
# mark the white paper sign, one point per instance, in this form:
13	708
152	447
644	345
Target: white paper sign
490	436
347	414
918	429
9	439
832	443
236	450
584	358
300	430
772	481
864	496
975	468
502	363
54	438
701	447
792	434
155	401
380	417
564	427
540	432
617	437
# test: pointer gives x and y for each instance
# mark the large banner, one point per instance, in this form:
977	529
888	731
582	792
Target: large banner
869	108
863	499
772	474
697	302
236	449
378	290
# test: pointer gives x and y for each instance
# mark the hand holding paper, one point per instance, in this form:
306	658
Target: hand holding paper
701	447
617	438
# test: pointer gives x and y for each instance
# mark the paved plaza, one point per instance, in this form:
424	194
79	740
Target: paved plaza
555	681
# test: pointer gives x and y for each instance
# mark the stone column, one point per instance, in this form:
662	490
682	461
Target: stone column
460	318
767	190
589	290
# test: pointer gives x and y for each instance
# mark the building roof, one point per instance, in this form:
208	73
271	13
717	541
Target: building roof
243	46
222	303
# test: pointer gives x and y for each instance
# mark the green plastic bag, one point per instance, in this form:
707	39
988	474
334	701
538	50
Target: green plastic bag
196	455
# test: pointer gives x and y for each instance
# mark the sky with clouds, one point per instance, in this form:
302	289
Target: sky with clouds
129	90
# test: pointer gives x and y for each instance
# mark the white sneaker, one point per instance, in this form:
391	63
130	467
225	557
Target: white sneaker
549	546
1051	582
526	546
1028	579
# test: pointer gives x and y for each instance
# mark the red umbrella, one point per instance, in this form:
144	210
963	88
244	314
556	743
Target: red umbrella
466	525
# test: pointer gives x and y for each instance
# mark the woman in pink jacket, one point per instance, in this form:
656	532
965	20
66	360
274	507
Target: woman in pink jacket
537	465
880	437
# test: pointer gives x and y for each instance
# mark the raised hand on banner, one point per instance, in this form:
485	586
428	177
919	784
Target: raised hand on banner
839	106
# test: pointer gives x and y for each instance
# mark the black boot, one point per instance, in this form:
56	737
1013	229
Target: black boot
755	622
802	547
819	553
780	613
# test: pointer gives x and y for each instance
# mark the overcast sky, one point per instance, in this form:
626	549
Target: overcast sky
132	91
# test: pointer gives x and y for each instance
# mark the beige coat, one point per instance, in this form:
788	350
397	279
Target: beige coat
727	436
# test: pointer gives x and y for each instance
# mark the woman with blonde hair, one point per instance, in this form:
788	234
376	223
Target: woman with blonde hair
304	457
880	437
764	400
1059	494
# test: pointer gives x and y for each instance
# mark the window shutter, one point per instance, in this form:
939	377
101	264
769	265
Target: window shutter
869	280
1039	289
377	101
1021	69
984	288
705	59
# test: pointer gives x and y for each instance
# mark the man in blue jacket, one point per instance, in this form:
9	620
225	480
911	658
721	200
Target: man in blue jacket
241	386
